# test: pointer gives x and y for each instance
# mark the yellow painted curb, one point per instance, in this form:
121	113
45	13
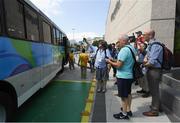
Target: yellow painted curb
88	107
94	79
85	116
93	84
89	101
84	119
85	113
92	89
91	92
91	96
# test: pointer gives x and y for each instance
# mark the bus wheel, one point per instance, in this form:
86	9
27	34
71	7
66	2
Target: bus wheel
7	107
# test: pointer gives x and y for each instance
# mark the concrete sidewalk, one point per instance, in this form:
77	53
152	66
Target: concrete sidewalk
139	105
107	104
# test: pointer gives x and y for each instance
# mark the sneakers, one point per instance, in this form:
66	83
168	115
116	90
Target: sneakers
136	83
104	90
146	94
129	113
120	116
141	91
98	90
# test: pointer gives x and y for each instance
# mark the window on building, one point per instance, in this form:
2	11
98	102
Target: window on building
14	18
57	36
54	36
46	32
31	25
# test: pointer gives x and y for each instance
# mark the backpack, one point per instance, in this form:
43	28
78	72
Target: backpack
168	58
97	52
137	70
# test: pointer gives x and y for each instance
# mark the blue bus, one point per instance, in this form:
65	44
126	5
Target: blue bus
32	51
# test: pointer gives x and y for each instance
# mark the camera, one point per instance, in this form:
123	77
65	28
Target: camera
132	39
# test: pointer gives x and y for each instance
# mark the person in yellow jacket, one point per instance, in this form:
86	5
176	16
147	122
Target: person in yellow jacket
71	60
83	61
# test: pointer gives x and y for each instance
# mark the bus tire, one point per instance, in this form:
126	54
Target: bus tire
7	107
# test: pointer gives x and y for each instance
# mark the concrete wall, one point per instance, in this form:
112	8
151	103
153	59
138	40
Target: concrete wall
163	20
135	15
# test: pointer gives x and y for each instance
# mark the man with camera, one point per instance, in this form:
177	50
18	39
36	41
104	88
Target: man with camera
101	66
101	53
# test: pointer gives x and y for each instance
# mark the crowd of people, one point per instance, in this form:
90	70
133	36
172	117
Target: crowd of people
119	57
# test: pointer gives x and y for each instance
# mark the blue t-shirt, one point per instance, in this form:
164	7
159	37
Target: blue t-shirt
126	57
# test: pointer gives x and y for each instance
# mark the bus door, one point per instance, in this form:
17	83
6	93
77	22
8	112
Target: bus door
66	49
47	72
35	48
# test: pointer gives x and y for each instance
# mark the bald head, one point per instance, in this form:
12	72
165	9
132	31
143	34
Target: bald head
124	37
150	34
123	40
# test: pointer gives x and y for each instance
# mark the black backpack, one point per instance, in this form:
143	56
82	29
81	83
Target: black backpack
97	52
137	70
168	58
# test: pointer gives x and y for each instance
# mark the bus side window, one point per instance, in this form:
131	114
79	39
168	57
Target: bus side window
46	32
61	39
31	24
14	18
58	36
0	24
1	16
54	36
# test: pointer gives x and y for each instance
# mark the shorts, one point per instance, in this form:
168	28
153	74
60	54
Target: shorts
102	74
124	87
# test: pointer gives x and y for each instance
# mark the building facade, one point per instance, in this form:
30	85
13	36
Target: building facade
130	16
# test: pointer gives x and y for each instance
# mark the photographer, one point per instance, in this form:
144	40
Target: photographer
101	53
101	66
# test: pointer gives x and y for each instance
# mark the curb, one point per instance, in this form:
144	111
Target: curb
85	115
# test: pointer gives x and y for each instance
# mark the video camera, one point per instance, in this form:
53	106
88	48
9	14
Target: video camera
132	38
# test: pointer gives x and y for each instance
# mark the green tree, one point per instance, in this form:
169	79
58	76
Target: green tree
96	43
